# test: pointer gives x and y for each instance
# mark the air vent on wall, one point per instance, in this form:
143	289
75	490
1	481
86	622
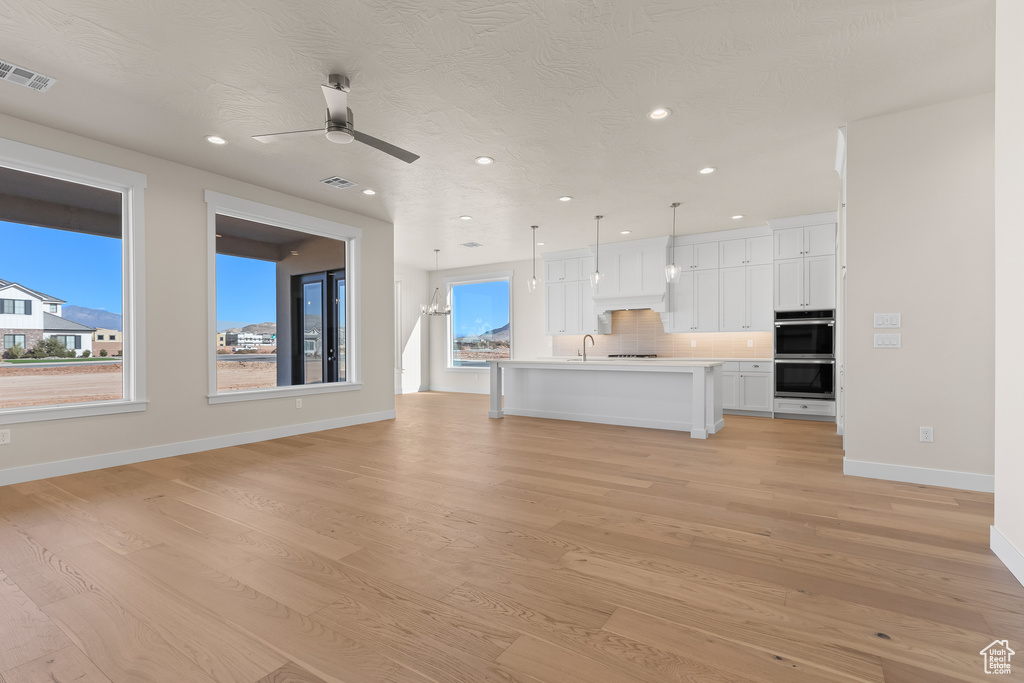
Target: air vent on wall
338	182
471	244
22	76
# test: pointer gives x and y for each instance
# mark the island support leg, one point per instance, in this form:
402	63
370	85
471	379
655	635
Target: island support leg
496	407
698	429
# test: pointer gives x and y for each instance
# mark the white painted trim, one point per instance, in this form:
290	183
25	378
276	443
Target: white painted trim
17	475
495	276
459	390
1007	553
71	410
611	420
131	186
723	235
227	205
968	481
281	392
803	221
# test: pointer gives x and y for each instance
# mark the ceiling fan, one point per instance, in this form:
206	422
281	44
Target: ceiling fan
339	123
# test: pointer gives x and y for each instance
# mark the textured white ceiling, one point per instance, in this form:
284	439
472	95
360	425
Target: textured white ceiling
556	91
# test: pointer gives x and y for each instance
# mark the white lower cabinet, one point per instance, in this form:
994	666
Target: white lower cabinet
747	386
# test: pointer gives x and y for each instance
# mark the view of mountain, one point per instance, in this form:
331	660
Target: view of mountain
255	328
93	317
499	334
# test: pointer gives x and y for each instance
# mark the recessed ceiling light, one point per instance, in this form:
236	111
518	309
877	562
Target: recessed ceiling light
566	198
708	169
216	140
369	191
658	113
540	244
625	232
738	216
483	161
466	218
294	253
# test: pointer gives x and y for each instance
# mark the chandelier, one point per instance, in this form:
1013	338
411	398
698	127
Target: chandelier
438	305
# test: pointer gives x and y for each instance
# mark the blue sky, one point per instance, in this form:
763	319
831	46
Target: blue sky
246	291
84	270
479	307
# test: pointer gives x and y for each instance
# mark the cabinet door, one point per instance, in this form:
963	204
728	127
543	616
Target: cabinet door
684	256
571	294
588	319
789	243
731	390
681	303
554	271
733	253
760	314
820	240
705	256
705	301
733	297
571	269
759	250
652	269
555	302
820	282
789	284
756	391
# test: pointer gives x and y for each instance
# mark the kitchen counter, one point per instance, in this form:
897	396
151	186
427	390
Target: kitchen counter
678	394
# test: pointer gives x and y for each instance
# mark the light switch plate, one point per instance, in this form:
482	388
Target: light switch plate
887	320
887	341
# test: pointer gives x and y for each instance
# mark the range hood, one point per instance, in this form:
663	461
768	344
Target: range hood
633	276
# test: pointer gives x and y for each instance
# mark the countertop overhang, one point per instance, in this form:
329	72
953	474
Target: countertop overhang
615	365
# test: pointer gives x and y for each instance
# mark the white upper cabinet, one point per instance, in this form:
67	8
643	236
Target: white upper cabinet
746	298
745	252
814	240
563	307
703	256
693	302
562	270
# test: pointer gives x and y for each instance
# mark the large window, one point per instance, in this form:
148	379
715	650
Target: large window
481	325
70	262
283	315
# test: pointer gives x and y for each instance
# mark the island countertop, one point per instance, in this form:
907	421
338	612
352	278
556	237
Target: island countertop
612	364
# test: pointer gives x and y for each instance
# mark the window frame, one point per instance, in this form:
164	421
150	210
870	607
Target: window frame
131	185
236	207
449	284
14	336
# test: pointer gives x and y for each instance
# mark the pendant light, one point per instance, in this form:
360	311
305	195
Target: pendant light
438	305
672	270
595	277
531	284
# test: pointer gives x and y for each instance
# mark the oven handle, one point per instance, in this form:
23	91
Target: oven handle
816	321
806	360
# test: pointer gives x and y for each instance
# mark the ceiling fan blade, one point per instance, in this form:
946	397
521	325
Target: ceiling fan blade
273	137
337	103
386	147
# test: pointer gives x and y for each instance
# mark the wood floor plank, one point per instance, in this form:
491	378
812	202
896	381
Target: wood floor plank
514	550
69	665
26	633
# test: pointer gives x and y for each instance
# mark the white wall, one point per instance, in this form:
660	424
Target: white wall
920	243
176	290
412	373
1009	246
528	338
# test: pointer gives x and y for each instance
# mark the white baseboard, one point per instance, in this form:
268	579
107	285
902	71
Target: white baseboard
461	390
1007	553
17	475
968	481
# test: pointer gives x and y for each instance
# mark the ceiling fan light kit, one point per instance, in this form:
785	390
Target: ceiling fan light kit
339	127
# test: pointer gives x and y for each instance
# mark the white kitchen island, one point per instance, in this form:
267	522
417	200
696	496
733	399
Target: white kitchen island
659	394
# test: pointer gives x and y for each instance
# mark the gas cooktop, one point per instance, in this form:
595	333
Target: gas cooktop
632	355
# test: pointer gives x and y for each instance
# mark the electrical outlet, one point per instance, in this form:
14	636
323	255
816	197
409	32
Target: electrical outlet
750	343
693	343
5	437
298	403
926	434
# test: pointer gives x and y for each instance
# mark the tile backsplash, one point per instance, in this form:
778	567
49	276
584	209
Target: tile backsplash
641	331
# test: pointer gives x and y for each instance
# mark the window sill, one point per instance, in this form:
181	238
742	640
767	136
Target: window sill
470	368
40	413
283	392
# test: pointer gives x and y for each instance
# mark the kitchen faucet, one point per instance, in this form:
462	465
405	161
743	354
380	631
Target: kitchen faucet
592	342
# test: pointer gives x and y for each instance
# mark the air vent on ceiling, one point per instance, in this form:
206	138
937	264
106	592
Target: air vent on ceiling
338	182
21	76
471	244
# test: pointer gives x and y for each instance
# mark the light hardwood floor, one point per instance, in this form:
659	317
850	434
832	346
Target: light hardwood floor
448	547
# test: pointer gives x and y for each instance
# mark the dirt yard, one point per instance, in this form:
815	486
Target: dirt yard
23	386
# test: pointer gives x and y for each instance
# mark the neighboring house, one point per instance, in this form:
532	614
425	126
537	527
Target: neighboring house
222	339
27	317
104	339
102	334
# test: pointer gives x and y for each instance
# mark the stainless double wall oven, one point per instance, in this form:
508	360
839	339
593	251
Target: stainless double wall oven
805	354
